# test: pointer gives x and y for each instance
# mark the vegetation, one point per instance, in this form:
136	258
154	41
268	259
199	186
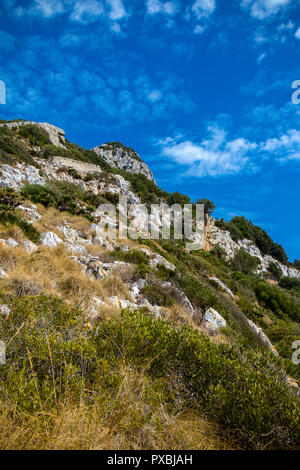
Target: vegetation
34	134
64	196
11	150
244	262
209	206
9	201
241	228
128	380
114	146
124	370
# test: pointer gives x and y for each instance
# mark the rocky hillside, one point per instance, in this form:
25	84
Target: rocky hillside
124	158
181	340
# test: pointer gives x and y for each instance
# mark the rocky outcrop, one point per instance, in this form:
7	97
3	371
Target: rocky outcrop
58	162
56	135
262	336
218	236
124	158
213	321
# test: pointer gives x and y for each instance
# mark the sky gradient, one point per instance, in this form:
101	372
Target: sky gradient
201	89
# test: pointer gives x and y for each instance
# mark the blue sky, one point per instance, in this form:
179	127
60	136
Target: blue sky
201	89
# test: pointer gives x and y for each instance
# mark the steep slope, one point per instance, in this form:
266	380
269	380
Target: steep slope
174	339
124	158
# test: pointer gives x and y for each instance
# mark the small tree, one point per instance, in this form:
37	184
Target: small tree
275	271
209	206
297	264
244	262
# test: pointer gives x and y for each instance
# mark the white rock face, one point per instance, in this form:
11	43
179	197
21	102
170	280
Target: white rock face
31	211
124	158
4	309
2	273
16	177
30	247
56	135
222	285
11	243
217	236
50	239
213	321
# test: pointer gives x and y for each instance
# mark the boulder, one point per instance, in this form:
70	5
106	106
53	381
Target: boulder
30	247
213	321
50	239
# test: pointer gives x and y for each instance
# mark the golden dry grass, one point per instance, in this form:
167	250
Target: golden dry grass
128	421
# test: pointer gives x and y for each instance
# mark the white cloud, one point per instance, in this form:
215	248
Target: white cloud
154	96
46	8
218	155
203	8
214	156
261	57
86	11
117	9
297	33
262	9
158	6
284	148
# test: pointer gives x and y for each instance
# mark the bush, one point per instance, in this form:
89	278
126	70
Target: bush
242	390
11	150
244	262
275	271
131	256
209	206
159	295
10	200
272	298
64	196
241	228
178	198
290	283
35	134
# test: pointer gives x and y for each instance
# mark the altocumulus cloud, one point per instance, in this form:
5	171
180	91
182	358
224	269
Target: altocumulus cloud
220	156
262	9
214	156
80	11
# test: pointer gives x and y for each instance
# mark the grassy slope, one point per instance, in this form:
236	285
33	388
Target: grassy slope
133	381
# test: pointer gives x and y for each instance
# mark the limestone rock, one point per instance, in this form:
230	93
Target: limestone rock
124	158
262	335
16	177
56	135
222	285
213	321
50	239
30	247
2	273
4	309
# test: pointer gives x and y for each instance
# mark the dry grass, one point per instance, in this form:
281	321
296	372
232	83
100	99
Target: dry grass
128	421
52	269
11	231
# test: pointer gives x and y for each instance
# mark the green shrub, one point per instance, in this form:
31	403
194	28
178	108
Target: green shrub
275	271
282	304
65	196
244	262
12	151
9	201
35	134
131	256
159	295
242	390
290	283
